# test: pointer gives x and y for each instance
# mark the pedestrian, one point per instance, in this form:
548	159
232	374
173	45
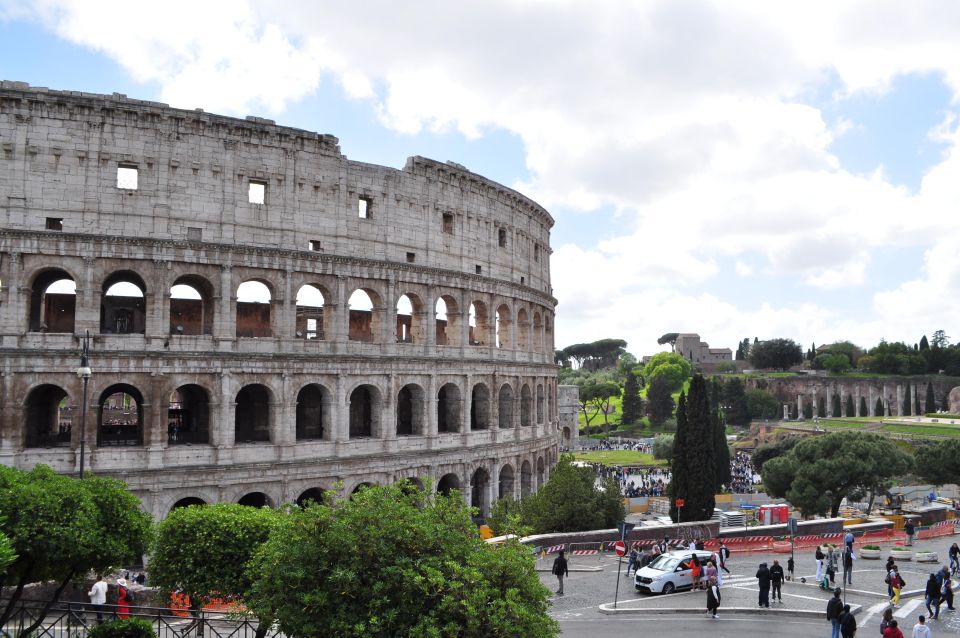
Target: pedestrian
763	580
909	529
889	568
931	595
560	570
946	589
692	545
123	599
954	553
818	556
776	580
848	559
790	575
98	597
892	630
848	623
695	571
710	571
848	540
834	609
632	563
920	630
896	583
713	598
664	546
831	564
886	619
724	555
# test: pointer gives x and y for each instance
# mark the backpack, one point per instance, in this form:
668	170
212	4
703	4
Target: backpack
131	598
818	555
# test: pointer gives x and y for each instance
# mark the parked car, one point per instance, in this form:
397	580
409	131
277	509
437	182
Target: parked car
669	572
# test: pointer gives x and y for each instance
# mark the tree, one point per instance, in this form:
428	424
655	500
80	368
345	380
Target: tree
835	363
940	339
924	344
61	528
599	394
863	407
671	338
631	399
672	367
777	354
762	404
907	401
849	409
659	401
205	550
694	462
808	411
663	447
819	472
878	409
768	451
939	463
836	411
821	407
561	358
395	561
735	402
721	450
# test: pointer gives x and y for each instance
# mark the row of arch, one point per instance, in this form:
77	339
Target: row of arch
192	309
480	489
50	418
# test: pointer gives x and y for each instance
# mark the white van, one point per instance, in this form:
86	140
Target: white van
670	572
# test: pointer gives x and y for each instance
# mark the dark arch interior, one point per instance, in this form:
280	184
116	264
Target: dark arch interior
49	420
447	484
192	316
480	408
505	407
252	418
361	413
51	312
188	501
254	499
121	314
448	408
188	417
314	495
310	423
120	419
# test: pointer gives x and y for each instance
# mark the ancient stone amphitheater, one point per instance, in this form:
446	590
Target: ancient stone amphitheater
268	319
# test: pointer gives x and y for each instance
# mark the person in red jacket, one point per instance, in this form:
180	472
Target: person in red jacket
892	630
123	602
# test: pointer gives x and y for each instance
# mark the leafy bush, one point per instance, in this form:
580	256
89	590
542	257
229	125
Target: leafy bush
934	415
876	547
900	549
130	628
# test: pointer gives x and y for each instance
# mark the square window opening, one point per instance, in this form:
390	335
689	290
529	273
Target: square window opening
315	245
194	233
411	257
536	252
448	223
257	193
127	177
479	269
523	280
365	207
54	223
502	238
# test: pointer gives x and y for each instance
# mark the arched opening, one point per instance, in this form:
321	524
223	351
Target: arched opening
253	310
188	417
364	405
448	408
526	479
312	495
447	484
410	484
364	315
359	488
409	319
505	405
547	333
567	437
537	333
255	499
310	303
120	416
523	330
448	328
506	482
550	411
188	502
53	302
49	420
526	401
123	304
480	407
479	324
541	473
410	410
191	306
252	415
313	406
540	396
480	492
503	327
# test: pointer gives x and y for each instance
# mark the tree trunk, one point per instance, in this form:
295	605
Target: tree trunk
873	495
15	598
56	596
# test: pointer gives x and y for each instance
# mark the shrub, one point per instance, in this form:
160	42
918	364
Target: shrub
876	547
900	549
130	628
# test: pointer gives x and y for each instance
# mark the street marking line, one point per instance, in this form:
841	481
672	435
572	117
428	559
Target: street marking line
907	609
873	611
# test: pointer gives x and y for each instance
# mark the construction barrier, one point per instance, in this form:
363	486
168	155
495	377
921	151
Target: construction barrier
943	528
749	544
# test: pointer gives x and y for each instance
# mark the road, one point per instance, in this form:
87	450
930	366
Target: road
739	627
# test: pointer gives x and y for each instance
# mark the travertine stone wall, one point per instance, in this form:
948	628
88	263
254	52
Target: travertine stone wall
483	416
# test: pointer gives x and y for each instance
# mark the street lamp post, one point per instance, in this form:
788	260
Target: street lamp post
84	373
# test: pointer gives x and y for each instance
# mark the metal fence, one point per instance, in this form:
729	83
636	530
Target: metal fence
68	620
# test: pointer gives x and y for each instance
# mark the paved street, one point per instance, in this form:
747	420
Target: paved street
579	610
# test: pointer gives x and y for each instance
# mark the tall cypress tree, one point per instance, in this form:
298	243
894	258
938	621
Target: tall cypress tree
631	399
945	406
924	344
916	400
863	407
808	411
678	460
836	406
930	404
850	411
907	401
721	450
694	463
822	407
878	408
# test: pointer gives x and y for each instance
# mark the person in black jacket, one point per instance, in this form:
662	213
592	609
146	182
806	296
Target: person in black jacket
713	598
932	596
848	623
560	570
763	579
834	609
776	579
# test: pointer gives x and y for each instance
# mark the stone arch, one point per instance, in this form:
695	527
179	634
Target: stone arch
540	397
48	420
505	406
410	421
480	407
410	312
188	415
360	486
447	320
448	408
252	415
479	321
547	332
123	304
314	494
313	412
537	332
504	328
526	479
448	483
480	491
191	306
523	330
255	499
506	482
254	309
188	501
120	416
53	301
541	472
567	437
526	405
365	409
311	302
366	315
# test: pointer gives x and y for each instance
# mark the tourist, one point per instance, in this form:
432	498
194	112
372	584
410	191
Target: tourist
886	619
920	630
776	580
932	596
892	630
818	556
848	558
896	582
763	580
909	529
713	598
632	562
724	554
848	623
946	588
123	601
560	570
710	573
695	572
790	574
834	609
954	553
98	597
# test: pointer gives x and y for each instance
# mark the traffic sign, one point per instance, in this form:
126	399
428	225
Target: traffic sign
624	528
620	548
679	502
792	525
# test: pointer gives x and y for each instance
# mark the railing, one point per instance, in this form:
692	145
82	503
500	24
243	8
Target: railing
68	620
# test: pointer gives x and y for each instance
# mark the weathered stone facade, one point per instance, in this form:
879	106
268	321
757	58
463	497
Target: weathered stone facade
139	224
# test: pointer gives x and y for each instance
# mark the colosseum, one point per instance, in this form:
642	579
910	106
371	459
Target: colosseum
267	319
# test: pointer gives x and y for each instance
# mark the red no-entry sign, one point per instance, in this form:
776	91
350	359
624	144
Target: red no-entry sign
679	502
620	548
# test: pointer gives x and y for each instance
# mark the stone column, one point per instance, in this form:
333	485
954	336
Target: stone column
388	315
225	322
17	292
286	308
340	415
388	415
899	410
224	431
341	313
428	319
87	314
431	405
285	428
799	406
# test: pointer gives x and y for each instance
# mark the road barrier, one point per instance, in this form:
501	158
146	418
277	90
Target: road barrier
943	528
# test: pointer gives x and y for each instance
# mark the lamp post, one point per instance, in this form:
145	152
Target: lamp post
84	372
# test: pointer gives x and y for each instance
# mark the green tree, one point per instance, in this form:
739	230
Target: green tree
663	447
849	409
907	401
762	404
878	408
718	430
61	528
819	472
430	574
863	407
924	344
939	463
835	363
599	395
768	451
777	354
940	339
205	551
670	366
821	407
7	553
631	408
930	402
734	400
571	501
670	337
694	463
659	401
836	411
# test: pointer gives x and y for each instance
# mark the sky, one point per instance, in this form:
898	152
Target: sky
738	169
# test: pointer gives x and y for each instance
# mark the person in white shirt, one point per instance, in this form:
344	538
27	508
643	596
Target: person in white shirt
920	630
98	596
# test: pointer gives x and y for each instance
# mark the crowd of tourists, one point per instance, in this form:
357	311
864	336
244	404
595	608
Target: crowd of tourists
743	480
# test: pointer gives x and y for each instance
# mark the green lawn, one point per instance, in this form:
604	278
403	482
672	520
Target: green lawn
618	457
941	430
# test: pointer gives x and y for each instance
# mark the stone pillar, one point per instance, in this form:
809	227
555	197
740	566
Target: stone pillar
388	316
341	312
799	406
466	408
225	424
286	309
428	319
156	302
388	414
17	293
154	417
225	322
899	410
431	405
340	415
285	428
87	315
